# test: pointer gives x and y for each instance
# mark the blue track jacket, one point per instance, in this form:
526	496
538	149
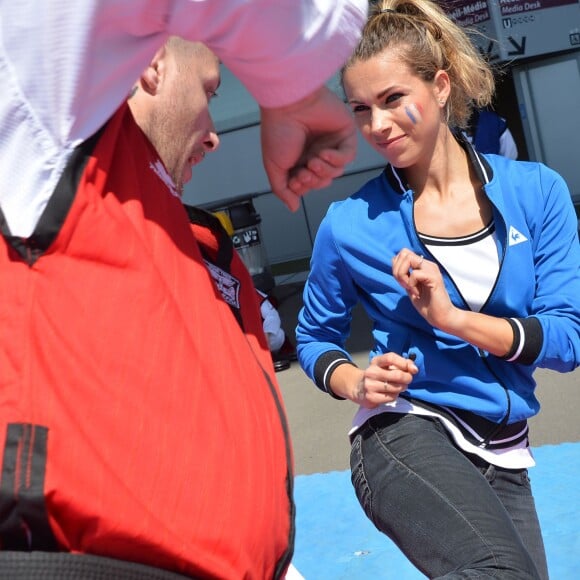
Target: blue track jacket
538	284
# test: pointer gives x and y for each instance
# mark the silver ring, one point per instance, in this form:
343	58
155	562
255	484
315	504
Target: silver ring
421	258
386	387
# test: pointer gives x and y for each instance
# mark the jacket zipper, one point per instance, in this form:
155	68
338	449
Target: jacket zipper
482	354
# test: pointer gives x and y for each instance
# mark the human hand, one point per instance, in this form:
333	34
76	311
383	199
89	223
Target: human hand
387	376
307	144
424	285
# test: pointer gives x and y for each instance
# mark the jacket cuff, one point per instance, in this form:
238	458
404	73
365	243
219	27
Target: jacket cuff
528	340
325	366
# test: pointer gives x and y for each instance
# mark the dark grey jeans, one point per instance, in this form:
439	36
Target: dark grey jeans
452	514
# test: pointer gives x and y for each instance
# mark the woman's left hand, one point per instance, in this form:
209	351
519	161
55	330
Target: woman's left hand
424	285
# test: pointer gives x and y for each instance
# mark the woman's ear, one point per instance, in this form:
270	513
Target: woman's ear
442	86
151	77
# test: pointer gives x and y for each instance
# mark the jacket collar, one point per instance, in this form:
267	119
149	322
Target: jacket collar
396	177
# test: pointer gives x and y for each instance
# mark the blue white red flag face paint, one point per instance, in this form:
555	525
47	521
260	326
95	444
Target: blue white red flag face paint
414	113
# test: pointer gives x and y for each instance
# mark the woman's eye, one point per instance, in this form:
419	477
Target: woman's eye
393	98
359	108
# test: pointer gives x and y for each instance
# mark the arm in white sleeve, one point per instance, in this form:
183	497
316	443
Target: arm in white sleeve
280	50
272	325
507	145
66	67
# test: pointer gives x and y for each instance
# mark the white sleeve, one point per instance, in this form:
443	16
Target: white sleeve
280	49
272	325
284	49
67	65
507	145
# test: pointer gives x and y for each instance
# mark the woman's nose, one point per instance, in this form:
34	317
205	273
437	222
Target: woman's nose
380	121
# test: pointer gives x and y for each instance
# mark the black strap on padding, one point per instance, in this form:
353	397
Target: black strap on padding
225	252
66	566
24	521
207	220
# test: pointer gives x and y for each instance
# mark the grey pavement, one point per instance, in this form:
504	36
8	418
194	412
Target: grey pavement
319	424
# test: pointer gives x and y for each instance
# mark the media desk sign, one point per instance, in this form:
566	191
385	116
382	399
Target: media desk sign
536	27
476	15
507	30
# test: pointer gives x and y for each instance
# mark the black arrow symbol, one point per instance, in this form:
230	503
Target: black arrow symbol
520	48
487	54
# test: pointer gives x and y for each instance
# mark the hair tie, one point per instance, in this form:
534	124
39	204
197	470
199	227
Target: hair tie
388	10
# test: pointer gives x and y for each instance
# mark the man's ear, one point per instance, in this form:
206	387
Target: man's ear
151	77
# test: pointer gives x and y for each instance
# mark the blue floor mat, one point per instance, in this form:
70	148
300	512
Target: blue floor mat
335	541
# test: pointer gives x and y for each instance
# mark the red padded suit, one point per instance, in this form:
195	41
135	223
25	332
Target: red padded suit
140	420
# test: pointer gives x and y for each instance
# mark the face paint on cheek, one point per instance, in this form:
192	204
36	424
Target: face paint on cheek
414	113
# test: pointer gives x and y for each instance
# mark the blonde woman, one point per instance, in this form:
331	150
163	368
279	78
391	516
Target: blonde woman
468	266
